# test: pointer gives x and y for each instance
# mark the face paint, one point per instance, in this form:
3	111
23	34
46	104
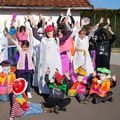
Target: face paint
6	70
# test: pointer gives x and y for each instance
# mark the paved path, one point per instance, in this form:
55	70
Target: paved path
76	111
115	58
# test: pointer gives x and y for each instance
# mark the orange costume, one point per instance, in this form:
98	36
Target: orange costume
6	81
100	88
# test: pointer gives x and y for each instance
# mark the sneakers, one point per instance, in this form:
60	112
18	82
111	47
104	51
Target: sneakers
29	95
110	99
56	109
63	109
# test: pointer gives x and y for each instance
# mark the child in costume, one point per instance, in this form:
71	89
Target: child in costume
22	34
82	57
100	89
12	30
7	77
25	66
20	106
57	88
79	88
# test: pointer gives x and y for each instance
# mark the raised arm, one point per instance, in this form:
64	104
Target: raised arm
5	26
74	33
59	18
64	38
35	34
95	28
14	41
72	20
112	33
47	76
33	24
113	38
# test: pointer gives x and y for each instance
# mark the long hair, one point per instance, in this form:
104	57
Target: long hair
22	28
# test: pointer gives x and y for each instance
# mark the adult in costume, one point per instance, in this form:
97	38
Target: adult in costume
49	55
105	38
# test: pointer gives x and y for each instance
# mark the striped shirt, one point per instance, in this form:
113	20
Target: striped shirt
16	109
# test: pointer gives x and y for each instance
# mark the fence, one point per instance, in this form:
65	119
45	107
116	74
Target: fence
114	16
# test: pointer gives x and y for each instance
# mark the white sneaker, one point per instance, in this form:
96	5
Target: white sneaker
29	95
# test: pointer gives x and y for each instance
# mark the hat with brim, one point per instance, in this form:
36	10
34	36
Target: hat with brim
81	71
103	70
49	28
9	62
19	86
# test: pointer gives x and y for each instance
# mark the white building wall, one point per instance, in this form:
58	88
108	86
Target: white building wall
6	14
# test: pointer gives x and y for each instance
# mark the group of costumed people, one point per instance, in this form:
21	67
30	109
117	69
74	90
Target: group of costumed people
60	60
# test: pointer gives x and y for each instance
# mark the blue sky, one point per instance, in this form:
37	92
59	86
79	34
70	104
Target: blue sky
110	4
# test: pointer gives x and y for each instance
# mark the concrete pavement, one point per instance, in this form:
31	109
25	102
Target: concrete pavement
115	58
77	111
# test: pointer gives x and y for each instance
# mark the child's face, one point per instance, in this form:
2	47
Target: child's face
102	76
6	69
82	34
25	48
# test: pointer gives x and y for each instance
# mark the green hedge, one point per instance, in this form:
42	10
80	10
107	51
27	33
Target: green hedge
114	16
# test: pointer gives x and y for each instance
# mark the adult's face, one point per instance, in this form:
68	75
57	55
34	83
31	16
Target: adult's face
50	34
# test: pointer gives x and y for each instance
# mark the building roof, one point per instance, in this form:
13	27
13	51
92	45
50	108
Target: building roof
47	3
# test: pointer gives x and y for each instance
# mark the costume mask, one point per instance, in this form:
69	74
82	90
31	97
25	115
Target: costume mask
6	70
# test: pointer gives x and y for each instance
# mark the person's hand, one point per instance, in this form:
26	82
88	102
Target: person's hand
40	17
48	70
109	28
108	21
10	118
34	22
28	17
62	14
101	20
5	23
67	75
94	73
68	12
114	77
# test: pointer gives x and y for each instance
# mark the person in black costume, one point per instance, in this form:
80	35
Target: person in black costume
104	39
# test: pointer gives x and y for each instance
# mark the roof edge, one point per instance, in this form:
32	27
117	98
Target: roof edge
90	3
45	8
